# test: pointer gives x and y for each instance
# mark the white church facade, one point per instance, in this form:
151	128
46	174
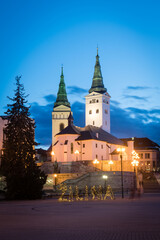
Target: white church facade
94	141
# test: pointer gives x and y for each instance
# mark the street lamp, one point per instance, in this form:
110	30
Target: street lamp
121	150
105	179
110	163
52	154
76	153
135	163
55	181
95	162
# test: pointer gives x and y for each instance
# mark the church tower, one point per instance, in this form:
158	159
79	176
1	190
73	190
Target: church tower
97	112
61	109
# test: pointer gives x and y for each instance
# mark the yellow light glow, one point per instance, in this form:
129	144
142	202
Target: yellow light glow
95	161
135	163
104	176
110	162
76	152
55	175
121	149
52	153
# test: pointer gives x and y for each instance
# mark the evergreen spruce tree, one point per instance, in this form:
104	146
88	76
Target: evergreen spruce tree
24	179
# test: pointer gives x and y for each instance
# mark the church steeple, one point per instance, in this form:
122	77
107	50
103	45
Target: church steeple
62	95
97	82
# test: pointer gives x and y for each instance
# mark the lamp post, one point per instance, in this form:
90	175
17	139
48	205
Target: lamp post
135	164
121	150
110	163
95	162
105	179
76	153
55	181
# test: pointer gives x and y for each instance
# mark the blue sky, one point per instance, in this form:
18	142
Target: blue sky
38	36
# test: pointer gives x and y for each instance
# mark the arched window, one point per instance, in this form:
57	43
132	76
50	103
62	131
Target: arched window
97	110
106	111
97	101
90	111
71	147
61	127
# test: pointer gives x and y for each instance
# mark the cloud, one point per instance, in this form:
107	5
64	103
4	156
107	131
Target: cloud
75	90
144	124
135	97
129	122
50	98
113	102
137	88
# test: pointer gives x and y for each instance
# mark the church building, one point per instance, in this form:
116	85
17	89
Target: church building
94	141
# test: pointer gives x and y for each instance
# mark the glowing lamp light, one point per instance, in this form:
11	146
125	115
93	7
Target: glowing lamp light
110	162
76	152
135	163
55	175
121	149
95	161
52	153
104	176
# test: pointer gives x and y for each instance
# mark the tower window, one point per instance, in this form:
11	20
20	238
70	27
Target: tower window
96	156
106	123
90	111
61	126
97	111
71	147
106	111
83	145
96	145
97	101
93	123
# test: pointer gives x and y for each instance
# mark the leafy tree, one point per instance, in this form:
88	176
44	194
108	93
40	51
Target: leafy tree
24	179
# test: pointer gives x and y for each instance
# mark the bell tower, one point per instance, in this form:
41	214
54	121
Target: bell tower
97	111
61	109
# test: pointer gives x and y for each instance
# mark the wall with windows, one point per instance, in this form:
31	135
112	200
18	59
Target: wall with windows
148	159
97	111
60	116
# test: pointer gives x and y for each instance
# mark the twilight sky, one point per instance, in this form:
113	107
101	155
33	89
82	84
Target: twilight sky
38	36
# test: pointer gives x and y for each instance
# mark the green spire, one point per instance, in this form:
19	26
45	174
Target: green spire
62	95
97	82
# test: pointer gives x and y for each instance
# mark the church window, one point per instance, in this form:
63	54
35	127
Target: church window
141	155
101	157
96	156
93	123
106	111
97	100
83	145
90	111
72	148
90	101
105	122
97	111
96	145
102	146
61	127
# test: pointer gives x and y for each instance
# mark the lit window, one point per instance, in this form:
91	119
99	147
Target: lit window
97	111
90	111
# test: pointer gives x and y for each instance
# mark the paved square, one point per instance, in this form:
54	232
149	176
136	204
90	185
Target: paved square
92	220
